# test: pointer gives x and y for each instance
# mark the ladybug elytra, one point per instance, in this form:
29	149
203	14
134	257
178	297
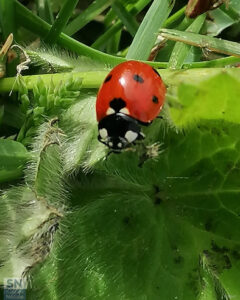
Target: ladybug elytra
131	95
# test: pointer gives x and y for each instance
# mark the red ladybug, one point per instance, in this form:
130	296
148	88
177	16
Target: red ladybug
131	95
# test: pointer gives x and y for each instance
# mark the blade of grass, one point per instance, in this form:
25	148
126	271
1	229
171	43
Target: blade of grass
28	20
147	33
125	16
110	16
215	63
174	19
165	53
45	11
7	18
202	41
181	50
61	20
113	45
103	39
93	10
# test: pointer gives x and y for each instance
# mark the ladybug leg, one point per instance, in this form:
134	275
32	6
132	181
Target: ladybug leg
111	152
141	136
160	117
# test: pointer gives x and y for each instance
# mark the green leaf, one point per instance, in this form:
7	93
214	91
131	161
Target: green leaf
148	30
167	229
198	40
218	21
125	16
93	10
180	50
13	156
7	18
140	232
61	21
216	98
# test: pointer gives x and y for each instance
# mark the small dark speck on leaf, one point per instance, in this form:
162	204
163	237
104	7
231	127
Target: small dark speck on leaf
178	259
157	201
126	220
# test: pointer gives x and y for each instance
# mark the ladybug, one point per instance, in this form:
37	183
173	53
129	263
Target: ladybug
131	95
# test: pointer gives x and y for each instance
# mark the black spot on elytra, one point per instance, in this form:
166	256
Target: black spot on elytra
138	78
154	70
117	104
109	77
155	99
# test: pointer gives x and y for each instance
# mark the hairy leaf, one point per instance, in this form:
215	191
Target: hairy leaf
166	228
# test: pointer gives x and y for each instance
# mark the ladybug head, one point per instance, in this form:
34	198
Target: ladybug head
119	131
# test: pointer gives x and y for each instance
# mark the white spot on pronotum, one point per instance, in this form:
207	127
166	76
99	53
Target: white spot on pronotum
119	145
110	144
131	136
124	111
103	133
110	111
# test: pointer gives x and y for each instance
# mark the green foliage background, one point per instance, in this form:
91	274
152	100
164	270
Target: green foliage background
80	225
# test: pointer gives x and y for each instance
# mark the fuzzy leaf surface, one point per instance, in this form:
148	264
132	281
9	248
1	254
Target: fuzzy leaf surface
214	98
166	230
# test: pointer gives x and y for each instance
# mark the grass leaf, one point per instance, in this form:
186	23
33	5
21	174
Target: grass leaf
203	41
148	30
93	10
61	20
180	50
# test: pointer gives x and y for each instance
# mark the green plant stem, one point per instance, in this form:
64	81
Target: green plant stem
90	80
104	38
175	18
61	20
93	79
147	33
28	20
109	17
202	41
215	63
181	50
45	11
93	10
113	44
7	18
125	16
